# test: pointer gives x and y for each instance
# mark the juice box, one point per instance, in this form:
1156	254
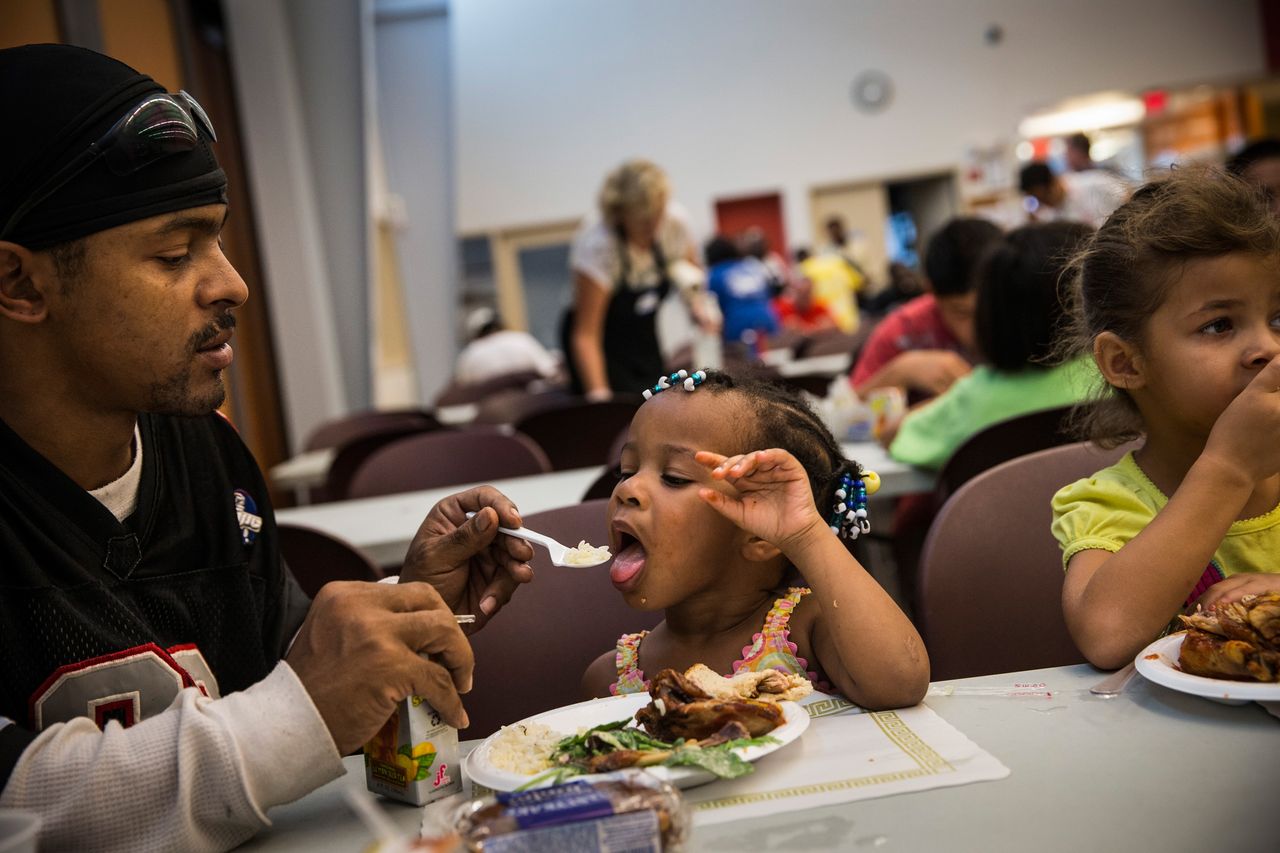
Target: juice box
414	756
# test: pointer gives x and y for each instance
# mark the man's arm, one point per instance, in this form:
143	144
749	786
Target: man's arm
199	776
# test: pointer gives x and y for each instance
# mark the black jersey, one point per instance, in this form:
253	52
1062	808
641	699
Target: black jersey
109	619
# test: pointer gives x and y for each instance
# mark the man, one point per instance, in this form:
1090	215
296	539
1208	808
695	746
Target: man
926	344
163	681
1259	164
1089	196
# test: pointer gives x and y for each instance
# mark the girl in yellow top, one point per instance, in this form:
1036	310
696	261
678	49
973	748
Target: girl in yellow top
1179	303
731	487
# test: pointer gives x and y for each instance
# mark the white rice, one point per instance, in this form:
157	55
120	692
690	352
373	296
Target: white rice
524	748
587	554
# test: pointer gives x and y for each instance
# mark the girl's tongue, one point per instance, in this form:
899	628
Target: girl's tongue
628	563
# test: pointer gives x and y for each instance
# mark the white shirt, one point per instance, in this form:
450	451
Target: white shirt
501	353
594	252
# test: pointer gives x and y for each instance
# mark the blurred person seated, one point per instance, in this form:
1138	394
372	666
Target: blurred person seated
905	284
743	286
1018	312
836	284
1259	164
1088	196
925	345
753	244
797	309
495	350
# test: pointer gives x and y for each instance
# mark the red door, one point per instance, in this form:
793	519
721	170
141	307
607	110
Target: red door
735	215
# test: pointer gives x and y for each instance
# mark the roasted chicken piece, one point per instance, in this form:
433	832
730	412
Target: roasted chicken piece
1240	640
682	709
768	686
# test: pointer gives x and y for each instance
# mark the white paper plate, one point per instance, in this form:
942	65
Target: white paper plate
595	712
1158	662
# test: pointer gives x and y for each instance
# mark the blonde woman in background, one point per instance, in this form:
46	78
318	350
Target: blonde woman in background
624	264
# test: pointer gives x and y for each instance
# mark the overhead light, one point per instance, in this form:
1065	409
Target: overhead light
1083	115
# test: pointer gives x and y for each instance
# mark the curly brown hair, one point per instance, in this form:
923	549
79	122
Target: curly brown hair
1122	275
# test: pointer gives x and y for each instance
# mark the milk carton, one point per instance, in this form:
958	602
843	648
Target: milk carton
414	756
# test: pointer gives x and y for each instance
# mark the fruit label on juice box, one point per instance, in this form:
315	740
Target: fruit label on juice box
414	756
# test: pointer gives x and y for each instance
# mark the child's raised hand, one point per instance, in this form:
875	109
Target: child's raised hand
1244	435
773	499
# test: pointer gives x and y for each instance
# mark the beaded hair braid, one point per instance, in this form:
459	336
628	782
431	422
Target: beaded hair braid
783	419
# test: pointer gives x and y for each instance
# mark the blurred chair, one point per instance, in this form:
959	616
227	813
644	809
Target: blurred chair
458	395
835	343
1001	442
340	431
531	656
447	458
510	405
578	434
315	558
990	590
351	455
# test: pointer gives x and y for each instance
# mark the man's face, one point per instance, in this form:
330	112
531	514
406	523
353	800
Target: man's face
1266	174
957	315
146	324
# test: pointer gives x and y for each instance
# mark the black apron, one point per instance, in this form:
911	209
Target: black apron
632	357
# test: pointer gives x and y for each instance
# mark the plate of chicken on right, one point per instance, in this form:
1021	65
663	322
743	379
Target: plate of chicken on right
1158	662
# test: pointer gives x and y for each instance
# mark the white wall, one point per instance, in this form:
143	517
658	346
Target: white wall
743	96
412	59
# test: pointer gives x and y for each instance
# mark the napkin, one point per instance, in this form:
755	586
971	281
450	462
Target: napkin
848	754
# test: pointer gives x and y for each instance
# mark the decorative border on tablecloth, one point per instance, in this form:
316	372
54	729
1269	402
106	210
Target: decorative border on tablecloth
895	729
830	705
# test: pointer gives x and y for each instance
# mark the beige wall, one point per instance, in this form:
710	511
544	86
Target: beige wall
28	22
140	33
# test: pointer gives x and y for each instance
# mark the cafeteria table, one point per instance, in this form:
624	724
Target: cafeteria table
1151	769
384	526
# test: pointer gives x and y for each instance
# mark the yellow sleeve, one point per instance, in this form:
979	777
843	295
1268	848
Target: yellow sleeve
1098	513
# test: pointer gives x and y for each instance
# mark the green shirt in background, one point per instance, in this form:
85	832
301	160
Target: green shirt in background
930	434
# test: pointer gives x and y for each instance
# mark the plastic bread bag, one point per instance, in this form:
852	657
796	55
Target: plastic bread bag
630	810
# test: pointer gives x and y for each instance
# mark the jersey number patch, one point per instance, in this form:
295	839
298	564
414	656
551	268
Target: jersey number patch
126	686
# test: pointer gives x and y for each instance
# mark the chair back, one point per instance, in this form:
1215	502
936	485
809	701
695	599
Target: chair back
509	406
315	558
447	458
340	431
990	588
579	434
835	342
1002	441
456	394
531	656
350	456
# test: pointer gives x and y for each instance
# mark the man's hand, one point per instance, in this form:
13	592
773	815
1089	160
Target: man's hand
474	569
359	652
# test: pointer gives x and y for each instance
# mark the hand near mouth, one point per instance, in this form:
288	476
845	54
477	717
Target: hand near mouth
771	497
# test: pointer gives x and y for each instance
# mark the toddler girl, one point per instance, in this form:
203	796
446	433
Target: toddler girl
1179	303
714	514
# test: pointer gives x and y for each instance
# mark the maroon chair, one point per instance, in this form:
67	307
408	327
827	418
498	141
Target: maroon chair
990	591
579	434
350	457
531	656
447	458
315	558
459	395
340	431
1002	441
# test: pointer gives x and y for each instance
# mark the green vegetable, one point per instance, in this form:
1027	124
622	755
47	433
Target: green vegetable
572	753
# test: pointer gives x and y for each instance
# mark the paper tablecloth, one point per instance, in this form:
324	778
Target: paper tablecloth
847	755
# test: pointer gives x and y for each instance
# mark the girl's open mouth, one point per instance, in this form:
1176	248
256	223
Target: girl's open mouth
628	563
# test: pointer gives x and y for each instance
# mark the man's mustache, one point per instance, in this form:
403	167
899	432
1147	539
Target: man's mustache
204	336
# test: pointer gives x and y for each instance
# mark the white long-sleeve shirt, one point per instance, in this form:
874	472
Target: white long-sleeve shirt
198	777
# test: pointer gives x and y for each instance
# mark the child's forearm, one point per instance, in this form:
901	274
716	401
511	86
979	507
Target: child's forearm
881	659
1125	601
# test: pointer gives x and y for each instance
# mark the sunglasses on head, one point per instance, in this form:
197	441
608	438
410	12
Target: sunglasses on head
157	126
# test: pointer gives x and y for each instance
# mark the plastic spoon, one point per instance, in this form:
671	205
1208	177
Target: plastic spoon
561	554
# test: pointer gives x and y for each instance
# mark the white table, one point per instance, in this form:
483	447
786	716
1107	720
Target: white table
1149	770
384	526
